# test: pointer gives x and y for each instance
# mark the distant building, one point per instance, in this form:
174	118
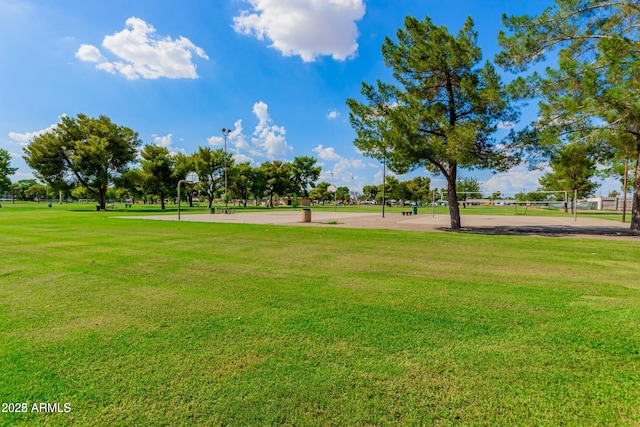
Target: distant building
607	203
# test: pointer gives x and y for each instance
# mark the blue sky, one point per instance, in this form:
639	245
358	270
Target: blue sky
276	72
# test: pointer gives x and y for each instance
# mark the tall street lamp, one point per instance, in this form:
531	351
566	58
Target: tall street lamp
384	181
225	132
335	192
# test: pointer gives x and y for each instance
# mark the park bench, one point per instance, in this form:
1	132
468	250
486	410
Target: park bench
216	210
110	206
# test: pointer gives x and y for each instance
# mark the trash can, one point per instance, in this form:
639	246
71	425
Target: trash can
306	215
415	209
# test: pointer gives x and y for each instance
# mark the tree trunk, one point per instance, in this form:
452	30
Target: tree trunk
452	197
635	210
102	198
161	200
454	209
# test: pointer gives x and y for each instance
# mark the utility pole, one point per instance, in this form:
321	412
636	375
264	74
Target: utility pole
225	132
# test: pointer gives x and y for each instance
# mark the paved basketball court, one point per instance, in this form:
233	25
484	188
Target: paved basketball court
562	226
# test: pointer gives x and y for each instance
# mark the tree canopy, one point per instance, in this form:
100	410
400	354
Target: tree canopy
157	171
5	170
572	169
593	94
444	111
277	176
469	187
209	165
304	174
83	151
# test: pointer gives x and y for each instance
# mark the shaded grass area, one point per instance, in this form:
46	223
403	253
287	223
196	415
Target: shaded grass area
154	323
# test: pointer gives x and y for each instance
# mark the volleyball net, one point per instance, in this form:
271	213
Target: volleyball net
561	200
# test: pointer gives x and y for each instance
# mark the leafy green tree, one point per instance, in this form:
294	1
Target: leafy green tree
36	192
5	170
112	194
80	193
304	174
594	92
157	169
14	190
209	165
132	184
183	164
536	196
83	151
342	194
419	189
572	169
469	187
391	182
445	111
278	178
401	192
19	188
321	192
370	192
258	184
242	180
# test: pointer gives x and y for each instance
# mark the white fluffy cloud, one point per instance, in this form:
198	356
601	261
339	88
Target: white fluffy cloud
333	114
243	158
328	153
515	180
89	53
163	141
141	53
268	138
308	28
23	139
166	141
342	172
266	141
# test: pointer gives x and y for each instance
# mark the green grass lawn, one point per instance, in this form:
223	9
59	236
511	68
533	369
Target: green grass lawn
146	323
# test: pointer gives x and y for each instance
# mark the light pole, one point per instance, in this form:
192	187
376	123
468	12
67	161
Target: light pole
384	180
334	194
353	179
225	132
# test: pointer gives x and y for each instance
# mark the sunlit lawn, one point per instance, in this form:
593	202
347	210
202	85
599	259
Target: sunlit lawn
163	323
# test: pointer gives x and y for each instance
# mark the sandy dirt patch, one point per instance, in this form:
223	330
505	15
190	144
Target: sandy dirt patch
563	226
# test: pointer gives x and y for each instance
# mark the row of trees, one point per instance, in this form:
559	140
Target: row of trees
88	156
5	171
445	105
414	190
160	172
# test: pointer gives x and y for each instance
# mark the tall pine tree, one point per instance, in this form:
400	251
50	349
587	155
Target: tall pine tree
593	95
442	113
